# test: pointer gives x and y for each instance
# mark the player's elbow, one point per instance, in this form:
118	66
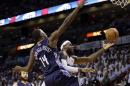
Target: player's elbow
29	69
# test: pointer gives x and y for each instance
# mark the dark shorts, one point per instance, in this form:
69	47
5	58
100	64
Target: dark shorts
59	79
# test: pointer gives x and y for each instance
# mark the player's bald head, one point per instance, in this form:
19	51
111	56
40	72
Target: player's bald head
38	34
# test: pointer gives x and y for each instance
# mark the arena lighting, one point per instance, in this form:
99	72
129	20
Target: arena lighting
92	9
51	19
45	11
93	34
61	16
41	21
1	56
23	47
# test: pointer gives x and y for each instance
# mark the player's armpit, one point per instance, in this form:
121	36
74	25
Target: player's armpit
53	39
53	36
92	57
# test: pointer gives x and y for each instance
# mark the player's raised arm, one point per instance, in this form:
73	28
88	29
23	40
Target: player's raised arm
55	35
94	56
28	67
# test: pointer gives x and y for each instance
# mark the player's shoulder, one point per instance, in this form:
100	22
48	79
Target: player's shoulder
62	55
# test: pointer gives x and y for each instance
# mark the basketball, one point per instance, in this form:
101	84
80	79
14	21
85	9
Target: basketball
112	35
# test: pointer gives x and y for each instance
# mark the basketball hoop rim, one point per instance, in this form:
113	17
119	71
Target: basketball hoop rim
122	3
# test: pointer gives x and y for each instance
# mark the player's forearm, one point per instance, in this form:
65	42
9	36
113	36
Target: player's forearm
71	16
95	55
84	70
68	21
72	69
23	69
92	57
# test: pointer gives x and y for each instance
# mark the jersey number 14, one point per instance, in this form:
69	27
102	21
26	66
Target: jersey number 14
44	61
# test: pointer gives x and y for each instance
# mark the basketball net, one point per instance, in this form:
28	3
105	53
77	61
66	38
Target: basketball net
121	3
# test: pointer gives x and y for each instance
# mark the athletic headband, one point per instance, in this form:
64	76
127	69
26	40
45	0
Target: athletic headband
64	43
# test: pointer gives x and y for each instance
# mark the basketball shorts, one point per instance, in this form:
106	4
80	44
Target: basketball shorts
59	79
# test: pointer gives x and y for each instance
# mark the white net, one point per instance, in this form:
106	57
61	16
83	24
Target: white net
121	3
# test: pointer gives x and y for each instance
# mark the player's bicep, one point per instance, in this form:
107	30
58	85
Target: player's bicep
53	39
54	36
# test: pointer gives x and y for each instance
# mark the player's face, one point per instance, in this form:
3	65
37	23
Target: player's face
69	47
24	75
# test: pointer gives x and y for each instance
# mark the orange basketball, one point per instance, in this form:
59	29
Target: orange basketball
112	35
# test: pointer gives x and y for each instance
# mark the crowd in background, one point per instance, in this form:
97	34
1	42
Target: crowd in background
110	66
109	69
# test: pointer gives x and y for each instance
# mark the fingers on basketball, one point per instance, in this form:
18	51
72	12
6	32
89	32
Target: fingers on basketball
112	35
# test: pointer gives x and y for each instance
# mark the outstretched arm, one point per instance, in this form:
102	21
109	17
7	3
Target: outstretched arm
28	67
94	56
55	35
70	18
75	69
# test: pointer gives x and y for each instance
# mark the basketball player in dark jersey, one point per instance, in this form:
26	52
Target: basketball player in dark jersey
46	53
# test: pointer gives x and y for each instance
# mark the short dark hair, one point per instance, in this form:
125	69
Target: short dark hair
36	34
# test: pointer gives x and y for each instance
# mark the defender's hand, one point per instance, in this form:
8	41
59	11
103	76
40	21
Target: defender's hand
81	3
87	70
107	45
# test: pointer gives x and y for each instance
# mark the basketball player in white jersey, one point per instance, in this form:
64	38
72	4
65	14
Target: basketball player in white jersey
68	50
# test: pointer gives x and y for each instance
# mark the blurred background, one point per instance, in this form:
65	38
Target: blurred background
20	18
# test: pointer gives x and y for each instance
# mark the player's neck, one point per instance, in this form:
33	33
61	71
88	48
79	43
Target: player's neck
40	39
